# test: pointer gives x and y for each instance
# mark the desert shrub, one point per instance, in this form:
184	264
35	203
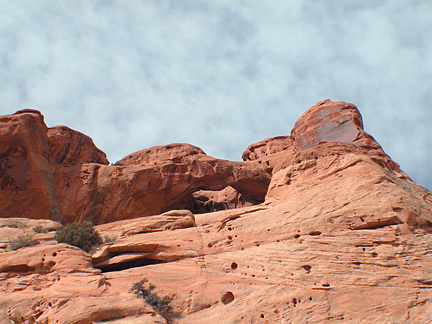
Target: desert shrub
109	239
162	305
39	229
20	242
83	236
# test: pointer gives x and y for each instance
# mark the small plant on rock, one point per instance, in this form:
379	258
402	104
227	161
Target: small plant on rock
39	229
160	305
83	236
21	241
109	239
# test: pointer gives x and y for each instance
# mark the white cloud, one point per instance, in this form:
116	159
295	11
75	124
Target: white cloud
220	74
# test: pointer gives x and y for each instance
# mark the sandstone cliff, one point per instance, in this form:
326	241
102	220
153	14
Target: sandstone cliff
319	226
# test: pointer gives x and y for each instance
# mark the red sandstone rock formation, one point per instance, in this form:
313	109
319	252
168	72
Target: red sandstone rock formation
69	147
59	173
343	236
27	187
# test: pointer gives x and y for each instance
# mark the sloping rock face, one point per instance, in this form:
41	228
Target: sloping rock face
343	236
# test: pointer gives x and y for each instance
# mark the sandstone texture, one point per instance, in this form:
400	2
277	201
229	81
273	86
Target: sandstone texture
317	227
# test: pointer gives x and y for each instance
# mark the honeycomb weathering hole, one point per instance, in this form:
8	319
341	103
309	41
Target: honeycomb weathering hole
227	297
307	268
234	266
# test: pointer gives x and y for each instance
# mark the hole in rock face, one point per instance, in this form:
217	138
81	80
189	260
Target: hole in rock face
307	267
50	264
54	254
262	315
326	285
374	254
227	297
129	264
22	268
297	236
315	233
234	266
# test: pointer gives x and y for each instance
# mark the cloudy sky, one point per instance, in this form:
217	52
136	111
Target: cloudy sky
220	74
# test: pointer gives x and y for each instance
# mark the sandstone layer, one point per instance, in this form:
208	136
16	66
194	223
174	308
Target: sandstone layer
342	235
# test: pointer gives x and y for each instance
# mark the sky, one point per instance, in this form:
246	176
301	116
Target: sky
219	74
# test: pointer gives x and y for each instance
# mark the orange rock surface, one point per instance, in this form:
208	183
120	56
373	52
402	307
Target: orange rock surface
27	187
343	235
58	173
152	181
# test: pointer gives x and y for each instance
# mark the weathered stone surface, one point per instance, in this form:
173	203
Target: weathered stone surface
27	187
59	173
330	121
12	228
68	146
85	310
206	201
29	152
152	181
266	147
343	236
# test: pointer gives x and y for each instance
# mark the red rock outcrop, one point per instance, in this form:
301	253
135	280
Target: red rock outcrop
325	122
68	147
59	173
343	236
206	201
152	181
330	121
27	187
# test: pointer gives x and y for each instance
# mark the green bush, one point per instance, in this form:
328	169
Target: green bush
39	229
83	236
20	242
160	305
